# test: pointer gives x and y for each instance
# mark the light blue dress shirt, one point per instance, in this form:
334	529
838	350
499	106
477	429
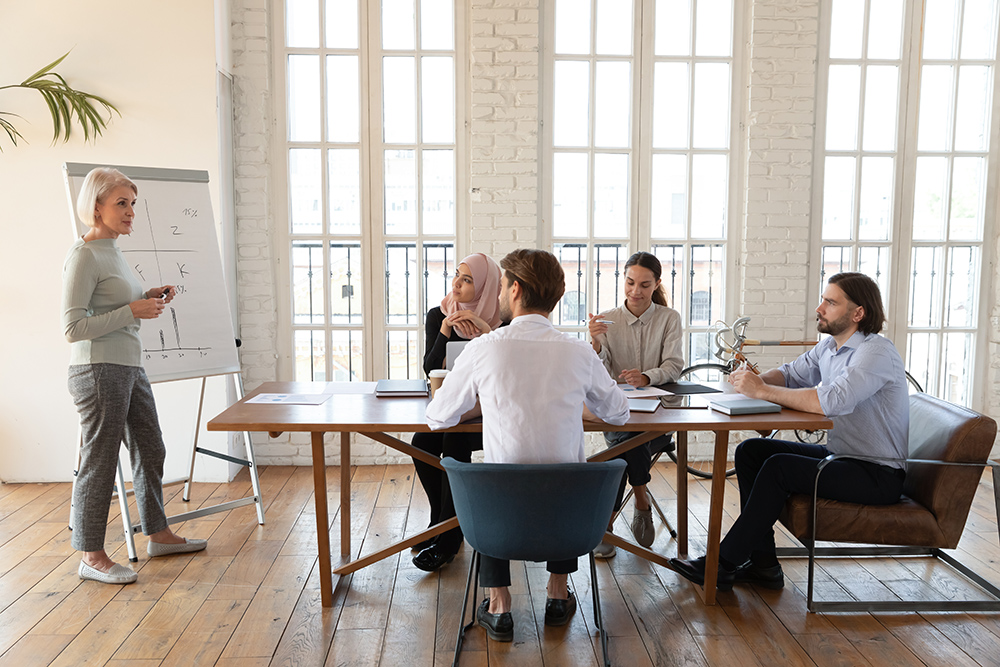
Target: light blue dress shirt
862	388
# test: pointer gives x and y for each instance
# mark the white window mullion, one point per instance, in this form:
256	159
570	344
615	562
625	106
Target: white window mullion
902	249
816	241
371	216
642	126
374	231
463	142
324	151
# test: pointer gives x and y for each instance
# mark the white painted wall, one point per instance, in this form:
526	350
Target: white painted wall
157	62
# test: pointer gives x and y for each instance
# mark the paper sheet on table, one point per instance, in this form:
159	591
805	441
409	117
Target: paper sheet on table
643	392
290	399
350	388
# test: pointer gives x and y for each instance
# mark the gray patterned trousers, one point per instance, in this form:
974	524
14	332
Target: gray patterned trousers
115	403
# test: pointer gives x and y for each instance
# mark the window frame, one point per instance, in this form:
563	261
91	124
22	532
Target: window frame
641	167
371	145
901	241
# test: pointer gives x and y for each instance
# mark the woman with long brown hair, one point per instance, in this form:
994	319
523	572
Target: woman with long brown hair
640	344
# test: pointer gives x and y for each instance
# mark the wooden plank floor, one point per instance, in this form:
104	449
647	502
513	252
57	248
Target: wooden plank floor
252	598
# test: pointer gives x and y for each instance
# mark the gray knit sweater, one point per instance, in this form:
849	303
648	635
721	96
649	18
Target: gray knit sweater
98	287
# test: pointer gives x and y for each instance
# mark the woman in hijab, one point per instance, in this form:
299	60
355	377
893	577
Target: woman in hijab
471	309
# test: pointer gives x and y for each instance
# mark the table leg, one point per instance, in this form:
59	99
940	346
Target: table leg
345	494
715	514
682	493
322	520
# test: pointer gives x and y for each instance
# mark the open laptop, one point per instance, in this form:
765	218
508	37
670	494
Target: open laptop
452	349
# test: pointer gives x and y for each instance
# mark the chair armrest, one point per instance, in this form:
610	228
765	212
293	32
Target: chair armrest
880	459
823	463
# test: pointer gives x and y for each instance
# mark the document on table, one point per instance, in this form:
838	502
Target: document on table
350	388
290	399
642	392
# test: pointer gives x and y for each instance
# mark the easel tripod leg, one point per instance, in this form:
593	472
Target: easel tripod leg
126	516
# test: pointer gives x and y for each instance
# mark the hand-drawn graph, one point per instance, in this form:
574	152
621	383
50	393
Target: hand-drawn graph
173	242
131	249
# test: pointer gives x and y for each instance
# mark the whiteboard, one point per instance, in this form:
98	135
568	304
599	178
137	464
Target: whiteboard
173	242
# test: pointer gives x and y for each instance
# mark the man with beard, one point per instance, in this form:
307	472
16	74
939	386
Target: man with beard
856	378
532	383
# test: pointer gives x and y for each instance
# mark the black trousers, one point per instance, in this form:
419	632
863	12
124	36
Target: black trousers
771	470
638	460
495	572
458	446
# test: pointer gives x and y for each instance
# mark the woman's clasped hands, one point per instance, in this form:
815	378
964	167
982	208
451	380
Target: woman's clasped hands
468	323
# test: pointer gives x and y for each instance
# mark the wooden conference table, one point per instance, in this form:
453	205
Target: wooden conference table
376	417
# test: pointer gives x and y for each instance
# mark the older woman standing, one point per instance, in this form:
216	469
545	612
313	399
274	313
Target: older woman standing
102	306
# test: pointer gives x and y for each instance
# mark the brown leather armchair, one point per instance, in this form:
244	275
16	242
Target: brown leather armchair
949	445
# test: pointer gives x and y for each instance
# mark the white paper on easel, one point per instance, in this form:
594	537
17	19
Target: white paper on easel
290	399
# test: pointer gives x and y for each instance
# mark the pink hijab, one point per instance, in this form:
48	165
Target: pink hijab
486	279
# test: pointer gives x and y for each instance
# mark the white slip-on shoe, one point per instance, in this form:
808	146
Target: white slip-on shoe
605	550
642	527
118	574
155	549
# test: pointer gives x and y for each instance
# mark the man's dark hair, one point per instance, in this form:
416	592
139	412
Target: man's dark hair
864	292
541	278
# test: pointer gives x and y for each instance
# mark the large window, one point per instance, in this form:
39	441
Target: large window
905	164
371	157
640	127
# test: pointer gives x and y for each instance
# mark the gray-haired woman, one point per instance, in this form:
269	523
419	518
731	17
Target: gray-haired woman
102	306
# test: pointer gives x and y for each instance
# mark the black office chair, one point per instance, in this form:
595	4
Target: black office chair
533	513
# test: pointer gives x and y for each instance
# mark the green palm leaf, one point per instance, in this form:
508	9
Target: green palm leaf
65	104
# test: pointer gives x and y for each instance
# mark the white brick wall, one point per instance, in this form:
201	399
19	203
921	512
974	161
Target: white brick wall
503	91
778	169
504	64
253	126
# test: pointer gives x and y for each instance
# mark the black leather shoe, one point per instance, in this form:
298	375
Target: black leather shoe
694	571
432	558
767	577
499	627
420	546
558	612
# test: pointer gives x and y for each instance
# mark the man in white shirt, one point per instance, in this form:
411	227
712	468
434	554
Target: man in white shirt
532	383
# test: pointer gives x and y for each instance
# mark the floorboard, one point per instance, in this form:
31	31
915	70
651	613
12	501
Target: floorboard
252	598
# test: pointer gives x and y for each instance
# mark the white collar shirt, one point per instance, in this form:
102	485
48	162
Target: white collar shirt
532	382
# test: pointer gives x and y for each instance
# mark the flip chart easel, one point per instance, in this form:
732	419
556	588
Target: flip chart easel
174	242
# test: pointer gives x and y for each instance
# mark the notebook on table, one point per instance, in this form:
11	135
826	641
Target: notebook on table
643	404
742	405
401	388
684	387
